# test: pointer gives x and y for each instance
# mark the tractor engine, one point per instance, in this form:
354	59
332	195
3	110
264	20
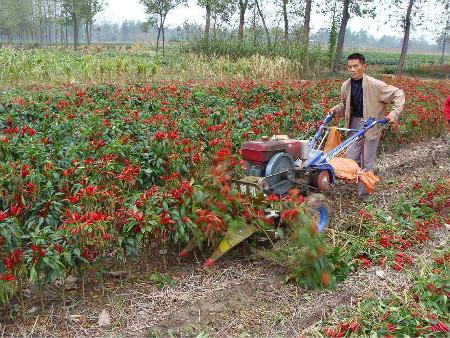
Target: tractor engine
257	154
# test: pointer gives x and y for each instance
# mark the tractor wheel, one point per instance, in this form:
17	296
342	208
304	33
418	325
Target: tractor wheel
322	180
320	210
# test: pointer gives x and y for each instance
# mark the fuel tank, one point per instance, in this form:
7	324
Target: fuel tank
260	151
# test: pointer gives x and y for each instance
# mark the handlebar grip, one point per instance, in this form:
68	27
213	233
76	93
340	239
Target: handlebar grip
383	121
328	118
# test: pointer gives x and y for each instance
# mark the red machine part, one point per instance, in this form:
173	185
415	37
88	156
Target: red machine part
261	151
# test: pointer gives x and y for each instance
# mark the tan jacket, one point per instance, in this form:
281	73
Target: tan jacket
376	94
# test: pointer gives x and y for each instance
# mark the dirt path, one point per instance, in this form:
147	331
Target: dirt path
242	296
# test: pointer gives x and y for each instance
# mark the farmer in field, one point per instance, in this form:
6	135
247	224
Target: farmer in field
363	97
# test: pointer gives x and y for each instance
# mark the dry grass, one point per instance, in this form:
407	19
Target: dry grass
98	65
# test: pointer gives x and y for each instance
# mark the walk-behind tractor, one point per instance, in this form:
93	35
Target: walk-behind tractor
274	165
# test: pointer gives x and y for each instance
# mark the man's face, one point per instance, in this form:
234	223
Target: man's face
356	69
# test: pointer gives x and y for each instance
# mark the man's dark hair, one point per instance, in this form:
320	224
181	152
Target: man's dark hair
357	56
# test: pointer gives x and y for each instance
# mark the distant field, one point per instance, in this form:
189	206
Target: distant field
390	58
121	64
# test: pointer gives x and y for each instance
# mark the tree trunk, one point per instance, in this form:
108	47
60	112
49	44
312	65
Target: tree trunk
332	38
49	33
443	48
86	32
263	22
41	24
254	26
242	9
66	42
444	41
163	40
286	23
214	30
306	25
341	36
28	34
90	31
67	35
208	23
157	38
75	31
407	28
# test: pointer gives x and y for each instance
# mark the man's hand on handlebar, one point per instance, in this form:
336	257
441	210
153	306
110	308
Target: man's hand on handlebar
392	122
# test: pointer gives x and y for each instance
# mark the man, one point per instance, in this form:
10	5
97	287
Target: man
363	97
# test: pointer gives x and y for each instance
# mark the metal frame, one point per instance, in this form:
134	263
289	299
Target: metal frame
322	158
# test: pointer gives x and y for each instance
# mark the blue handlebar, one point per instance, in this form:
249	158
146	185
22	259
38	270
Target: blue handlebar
328	118
372	121
383	121
326	121
323	158
369	123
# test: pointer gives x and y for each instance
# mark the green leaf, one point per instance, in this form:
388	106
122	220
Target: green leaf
34	276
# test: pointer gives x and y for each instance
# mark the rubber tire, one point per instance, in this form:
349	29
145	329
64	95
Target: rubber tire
318	178
319	203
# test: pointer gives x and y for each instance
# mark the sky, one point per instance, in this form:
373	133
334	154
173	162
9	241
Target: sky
118	11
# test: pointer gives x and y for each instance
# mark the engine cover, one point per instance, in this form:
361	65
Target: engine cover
260	152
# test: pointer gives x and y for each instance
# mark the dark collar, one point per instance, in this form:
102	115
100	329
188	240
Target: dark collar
357	81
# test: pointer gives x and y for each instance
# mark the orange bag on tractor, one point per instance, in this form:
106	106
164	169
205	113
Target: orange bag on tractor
347	169
333	140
